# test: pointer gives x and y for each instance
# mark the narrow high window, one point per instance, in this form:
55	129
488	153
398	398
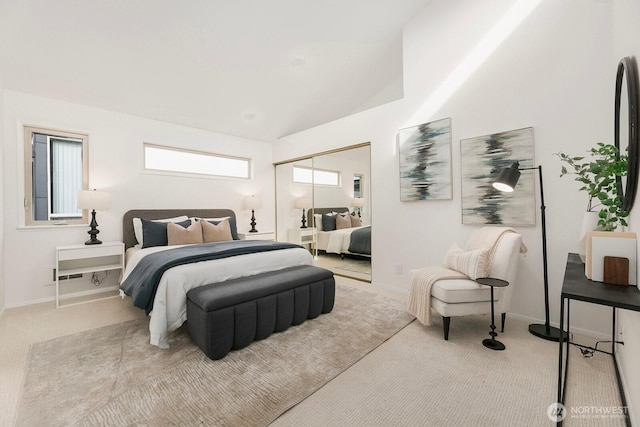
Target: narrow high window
159	158
304	175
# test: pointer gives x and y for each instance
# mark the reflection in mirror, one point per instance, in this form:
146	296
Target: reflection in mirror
290	196
336	184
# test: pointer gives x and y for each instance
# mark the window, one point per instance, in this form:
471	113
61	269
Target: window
305	175
357	186
56	167
167	159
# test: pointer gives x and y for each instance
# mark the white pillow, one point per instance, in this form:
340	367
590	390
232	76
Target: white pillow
137	225
473	264
212	219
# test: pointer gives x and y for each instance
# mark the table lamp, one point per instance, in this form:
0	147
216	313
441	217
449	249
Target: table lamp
92	199
357	202
253	203
303	203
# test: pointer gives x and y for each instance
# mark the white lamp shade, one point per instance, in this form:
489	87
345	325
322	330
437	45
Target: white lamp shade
358	202
92	199
303	203
252	202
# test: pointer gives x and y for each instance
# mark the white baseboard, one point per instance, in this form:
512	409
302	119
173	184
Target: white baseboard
63	297
579	331
390	287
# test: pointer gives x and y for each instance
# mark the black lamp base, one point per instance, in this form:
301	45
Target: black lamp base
548	333
493	344
253	223
93	231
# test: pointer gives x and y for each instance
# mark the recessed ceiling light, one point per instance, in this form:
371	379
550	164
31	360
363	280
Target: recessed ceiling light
298	63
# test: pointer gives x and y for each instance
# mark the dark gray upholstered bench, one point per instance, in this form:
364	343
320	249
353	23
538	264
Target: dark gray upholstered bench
232	314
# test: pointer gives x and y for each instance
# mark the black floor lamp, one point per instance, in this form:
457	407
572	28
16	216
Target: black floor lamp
506	181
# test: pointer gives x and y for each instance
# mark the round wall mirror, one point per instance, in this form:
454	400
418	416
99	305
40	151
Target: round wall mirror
626	126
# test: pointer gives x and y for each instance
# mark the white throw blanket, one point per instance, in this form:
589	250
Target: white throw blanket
419	302
488	237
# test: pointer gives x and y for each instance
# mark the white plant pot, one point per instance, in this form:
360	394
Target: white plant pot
589	223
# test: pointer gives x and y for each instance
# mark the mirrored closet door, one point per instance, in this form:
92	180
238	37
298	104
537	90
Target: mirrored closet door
323	203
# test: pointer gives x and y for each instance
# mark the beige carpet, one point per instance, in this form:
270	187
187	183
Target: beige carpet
418	379
112	376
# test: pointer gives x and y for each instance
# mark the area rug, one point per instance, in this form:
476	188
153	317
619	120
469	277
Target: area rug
113	376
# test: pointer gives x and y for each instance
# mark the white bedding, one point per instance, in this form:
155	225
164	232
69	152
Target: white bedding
170	303
336	241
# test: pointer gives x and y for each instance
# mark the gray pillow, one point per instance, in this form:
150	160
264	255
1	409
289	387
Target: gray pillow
155	233
328	222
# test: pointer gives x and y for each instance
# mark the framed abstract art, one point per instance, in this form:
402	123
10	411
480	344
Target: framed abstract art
481	159
425	161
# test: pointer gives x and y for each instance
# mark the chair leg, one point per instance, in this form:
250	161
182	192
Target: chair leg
446	321
504	316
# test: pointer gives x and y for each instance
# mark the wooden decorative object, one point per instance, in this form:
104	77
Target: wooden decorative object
616	270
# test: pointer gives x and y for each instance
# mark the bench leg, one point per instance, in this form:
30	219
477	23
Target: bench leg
504	317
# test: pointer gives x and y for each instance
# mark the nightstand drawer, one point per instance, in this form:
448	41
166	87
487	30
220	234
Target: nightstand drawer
301	236
260	235
89	251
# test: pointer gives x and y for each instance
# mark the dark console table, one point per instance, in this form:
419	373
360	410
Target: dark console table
577	287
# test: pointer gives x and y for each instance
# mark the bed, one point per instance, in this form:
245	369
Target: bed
353	238
191	265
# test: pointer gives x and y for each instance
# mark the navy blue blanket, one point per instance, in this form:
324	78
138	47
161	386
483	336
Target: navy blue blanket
142	282
361	241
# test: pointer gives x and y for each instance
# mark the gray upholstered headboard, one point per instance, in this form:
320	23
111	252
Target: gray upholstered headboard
129	238
312	211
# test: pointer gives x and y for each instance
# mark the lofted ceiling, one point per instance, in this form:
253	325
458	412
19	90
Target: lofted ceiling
259	69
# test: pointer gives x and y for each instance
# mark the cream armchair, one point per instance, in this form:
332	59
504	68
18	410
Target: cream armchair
451	291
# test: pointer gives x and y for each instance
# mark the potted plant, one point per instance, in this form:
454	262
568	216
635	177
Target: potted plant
601	176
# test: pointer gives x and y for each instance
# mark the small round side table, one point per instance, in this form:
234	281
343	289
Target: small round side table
492	342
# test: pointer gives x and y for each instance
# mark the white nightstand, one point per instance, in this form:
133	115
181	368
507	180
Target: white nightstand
302	236
80	259
260	235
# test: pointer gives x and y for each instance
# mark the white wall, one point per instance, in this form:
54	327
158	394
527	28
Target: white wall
115	164
556	72
626	38
2	250
553	73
